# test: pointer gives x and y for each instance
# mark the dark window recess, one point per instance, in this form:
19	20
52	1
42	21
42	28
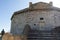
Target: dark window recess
34	24
41	18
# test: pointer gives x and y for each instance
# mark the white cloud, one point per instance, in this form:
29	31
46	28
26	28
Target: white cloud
55	2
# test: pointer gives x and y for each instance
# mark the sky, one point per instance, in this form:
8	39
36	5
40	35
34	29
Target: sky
8	7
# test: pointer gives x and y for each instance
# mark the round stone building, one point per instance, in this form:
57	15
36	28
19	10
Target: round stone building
38	16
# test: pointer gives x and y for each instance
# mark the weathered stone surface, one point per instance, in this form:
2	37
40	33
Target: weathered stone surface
51	19
50	15
16	37
43	35
8	36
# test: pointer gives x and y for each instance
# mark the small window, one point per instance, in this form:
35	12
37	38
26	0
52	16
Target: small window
34	24
41	18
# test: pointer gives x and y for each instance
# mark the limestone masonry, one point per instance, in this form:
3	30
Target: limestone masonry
39	16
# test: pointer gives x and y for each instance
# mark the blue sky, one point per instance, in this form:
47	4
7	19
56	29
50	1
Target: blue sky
7	7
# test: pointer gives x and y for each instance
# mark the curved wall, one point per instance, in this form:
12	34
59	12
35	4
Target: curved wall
40	20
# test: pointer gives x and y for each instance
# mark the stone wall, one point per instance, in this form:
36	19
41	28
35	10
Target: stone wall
50	20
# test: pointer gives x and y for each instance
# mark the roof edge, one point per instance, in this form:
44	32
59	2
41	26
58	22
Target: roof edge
28	10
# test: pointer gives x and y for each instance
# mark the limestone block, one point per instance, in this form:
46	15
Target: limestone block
16	37
8	36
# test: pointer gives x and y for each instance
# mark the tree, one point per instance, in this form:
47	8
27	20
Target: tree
2	32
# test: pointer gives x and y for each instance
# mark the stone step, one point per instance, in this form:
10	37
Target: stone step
41	37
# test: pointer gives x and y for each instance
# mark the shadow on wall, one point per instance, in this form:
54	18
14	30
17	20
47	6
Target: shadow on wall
56	29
